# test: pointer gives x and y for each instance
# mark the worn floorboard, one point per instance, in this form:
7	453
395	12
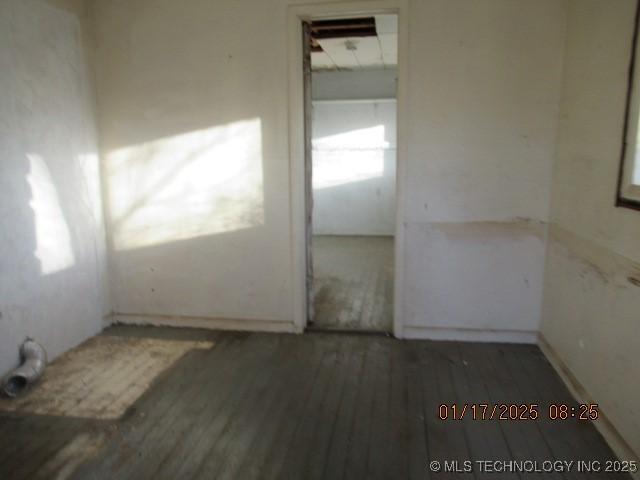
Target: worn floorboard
274	406
353	282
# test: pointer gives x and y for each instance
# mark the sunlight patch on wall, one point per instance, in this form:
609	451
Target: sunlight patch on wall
349	157
53	239
190	185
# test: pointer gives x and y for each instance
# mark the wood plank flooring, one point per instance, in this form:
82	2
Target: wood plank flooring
319	405
353	283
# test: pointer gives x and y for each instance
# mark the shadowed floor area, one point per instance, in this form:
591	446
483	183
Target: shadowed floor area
320	405
353	283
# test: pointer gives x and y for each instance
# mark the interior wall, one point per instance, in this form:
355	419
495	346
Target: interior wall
591	302
354	167
52	240
193	131
354	84
483	91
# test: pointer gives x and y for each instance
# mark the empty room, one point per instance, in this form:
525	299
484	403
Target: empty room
352	170
295	239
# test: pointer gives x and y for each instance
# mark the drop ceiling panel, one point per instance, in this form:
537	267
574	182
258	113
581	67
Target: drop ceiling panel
389	44
386	24
368	52
336	49
321	61
365	52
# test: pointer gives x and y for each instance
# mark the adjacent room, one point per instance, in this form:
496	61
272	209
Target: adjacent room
319	239
353	82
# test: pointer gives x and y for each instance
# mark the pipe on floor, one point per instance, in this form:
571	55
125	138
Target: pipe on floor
34	359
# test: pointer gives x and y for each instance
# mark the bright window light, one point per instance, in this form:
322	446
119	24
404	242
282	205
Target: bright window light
629	186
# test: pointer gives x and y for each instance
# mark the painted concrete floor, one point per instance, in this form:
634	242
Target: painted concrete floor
353	283
274	406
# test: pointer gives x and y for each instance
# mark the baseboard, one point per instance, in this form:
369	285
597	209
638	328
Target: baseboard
278	326
468	335
611	435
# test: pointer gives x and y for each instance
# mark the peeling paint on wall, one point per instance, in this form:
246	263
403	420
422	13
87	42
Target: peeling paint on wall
591	300
492	230
606	264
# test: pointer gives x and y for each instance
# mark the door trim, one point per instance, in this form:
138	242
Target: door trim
297	14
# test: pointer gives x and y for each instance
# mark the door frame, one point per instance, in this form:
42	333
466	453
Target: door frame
297	14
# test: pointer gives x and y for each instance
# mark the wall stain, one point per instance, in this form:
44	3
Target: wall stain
607	265
634	281
515	229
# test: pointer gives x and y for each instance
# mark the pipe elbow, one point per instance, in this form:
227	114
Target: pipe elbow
34	359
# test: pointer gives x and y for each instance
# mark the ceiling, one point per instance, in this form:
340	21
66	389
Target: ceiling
368	44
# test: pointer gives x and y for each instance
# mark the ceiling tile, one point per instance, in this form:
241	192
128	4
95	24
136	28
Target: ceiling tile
336	49
389	43
368	52
321	61
386	24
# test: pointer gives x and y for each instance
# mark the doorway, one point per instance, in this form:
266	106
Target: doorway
350	67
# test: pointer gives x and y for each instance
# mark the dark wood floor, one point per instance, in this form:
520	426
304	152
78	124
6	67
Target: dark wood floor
308	406
353	283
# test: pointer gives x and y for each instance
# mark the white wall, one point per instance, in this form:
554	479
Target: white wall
591	308
52	236
484	87
356	84
354	167
193	123
483	91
